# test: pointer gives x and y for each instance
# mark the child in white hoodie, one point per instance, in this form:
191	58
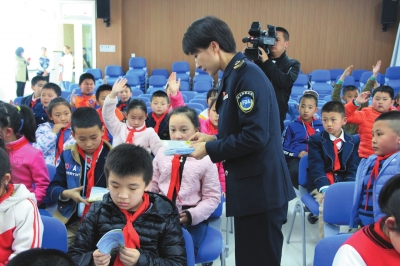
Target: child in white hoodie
21	227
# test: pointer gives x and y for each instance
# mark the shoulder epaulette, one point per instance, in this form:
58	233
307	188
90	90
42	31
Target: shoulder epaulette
239	64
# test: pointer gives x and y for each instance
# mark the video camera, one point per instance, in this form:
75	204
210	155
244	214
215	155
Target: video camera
259	38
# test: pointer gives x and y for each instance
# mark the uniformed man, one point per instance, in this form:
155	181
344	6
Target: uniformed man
258	185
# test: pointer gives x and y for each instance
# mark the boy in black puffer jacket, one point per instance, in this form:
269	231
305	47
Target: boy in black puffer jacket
153	235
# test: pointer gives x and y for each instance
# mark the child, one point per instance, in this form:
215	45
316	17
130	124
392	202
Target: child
377	169
85	97
135	130
210	127
27	163
297	133
191	184
102	92
379	243
49	92
149	222
332	155
124	98
37	84
211	95
81	167
161	104
53	136
350	92
21	227
397	101
382	101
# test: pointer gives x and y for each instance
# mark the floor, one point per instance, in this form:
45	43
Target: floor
291	253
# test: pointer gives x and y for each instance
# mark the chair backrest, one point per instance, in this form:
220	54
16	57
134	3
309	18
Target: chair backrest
136	92
189	247
17	101
157	81
203	78
328	98
137	63
73	86
338	202
133	80
392	72
202	101
54	234
336	72
96	72
321	76
303	169
143	98
356	74
202	86
195	105
160	72
326	249
189	94
181	67
349	80
200	71
65	94
302	80
185	86
114	71
51	169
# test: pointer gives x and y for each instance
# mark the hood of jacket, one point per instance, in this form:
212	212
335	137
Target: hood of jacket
20	193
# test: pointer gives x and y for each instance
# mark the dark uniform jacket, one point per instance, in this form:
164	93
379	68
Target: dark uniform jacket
163	130
161	239
282	74
249	141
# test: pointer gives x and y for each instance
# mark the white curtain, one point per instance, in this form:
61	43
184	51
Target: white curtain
396	50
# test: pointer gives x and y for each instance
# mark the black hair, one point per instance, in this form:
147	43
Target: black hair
36	79
389	200
85	117
397	98
349	88
285	33
54	87
310	94
20	119
102	88
392	118
42	257
55	102
189	112
136	104
160	93
334	106
213	102
128	86
386	89
19	51
211	93
129	160
5	165
86	76
205	30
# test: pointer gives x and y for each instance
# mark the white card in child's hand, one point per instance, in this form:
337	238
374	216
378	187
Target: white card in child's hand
112	240
175	147
97	193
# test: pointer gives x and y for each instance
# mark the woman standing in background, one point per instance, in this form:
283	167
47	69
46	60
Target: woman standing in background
67	65
21	70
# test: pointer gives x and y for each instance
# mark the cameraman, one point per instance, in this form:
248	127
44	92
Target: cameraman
280	70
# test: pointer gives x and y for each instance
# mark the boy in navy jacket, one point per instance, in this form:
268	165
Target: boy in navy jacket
297	133
333	155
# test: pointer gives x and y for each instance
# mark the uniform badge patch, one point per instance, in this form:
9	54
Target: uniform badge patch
245	100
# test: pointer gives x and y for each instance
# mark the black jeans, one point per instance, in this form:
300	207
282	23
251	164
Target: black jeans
293	166
20	88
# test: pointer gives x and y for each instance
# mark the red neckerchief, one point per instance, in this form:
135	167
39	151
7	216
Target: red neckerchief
16	145
90	173
309	128
175	183
158	120
213	129
10	191
375	173
336	163
60	143
132	131
33	102
131	237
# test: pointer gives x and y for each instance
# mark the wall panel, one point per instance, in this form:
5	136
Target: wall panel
323	34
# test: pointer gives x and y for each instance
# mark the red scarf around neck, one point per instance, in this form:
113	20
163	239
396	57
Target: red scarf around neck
132	131
60	143
90	174
175	183
18	144
309	128
10	191
33	102
336	163
131	237
375	173
158	120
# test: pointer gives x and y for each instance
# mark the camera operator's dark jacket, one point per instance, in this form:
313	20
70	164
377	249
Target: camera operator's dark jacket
282	75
